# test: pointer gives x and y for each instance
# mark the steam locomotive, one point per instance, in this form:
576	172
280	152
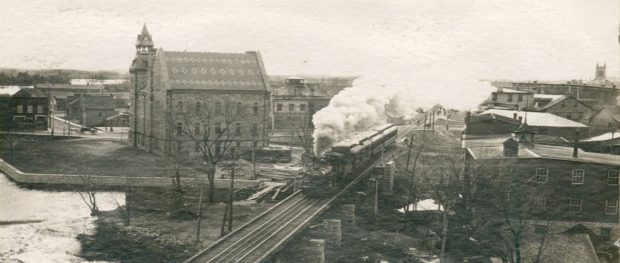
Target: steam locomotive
349	156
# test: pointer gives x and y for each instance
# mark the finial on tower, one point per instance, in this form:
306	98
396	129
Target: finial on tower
144	40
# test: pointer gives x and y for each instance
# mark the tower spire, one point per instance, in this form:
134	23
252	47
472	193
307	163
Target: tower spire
144	41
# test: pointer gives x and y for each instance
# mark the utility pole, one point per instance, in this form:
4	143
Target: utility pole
410	146
376	201
231	191
253	162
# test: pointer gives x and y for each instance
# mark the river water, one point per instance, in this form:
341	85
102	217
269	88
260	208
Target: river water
64	216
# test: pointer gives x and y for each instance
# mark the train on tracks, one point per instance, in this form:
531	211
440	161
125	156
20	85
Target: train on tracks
348	156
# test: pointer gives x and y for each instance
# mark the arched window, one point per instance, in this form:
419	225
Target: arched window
197	107
255	108
180	106
239	108
218	107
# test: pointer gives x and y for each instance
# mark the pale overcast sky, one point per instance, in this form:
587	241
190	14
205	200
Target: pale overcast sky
439	45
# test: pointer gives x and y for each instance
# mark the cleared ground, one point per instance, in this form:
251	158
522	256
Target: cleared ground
85	156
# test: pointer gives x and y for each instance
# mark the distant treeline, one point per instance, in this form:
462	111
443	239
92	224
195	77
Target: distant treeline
10	76
27	79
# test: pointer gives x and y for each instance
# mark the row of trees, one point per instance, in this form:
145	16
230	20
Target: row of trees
485	209
27	79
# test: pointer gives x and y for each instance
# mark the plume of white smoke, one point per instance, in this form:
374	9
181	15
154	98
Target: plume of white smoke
365	105
369	103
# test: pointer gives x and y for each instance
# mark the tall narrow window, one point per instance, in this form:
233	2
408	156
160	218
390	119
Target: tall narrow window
39	108
578	176
197	108
291	107
238	129
541	175
218	149
239	108
179	128
509	97
254	129
612	177
611	207
180	106
302	107
574	205
255	108
197	128
279	107
20	108
520	97
218	107
30	109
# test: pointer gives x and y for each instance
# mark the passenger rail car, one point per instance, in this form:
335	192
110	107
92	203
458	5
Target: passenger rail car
349	155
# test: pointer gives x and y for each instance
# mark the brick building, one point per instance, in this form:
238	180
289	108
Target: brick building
568	107
596	93
23	108
91	109
570	186
509	99
545	123
604	120
175	92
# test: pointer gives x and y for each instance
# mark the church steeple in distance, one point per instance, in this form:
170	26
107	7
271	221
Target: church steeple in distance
144	42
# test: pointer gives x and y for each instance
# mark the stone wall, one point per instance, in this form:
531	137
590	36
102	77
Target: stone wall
99	180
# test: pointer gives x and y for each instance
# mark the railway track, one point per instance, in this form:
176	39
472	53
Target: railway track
258	239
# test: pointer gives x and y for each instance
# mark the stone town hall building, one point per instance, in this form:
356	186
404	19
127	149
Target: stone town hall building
178	93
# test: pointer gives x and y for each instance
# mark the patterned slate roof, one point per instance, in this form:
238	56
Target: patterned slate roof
214	71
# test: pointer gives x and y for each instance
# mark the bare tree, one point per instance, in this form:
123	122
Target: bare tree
213	133
88	195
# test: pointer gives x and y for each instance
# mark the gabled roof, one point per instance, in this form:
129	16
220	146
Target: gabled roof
491	116
214	71
558	100
30	93
604	137
539	119
7	91
493	149
560	248
614	111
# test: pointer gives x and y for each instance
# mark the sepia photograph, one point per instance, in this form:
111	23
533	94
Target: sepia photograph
310	131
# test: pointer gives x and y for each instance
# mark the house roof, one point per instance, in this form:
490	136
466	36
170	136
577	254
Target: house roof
507	90
68	87
546	96
92	101
492	148
559	248
7	91
492	116
30	93
558	100
539	119
603	137
614	111
214	71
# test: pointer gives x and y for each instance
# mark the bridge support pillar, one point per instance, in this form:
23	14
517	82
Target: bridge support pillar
348	214
385	175
333	229
317	250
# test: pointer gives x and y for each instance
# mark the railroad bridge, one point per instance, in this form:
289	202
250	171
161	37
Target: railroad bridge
258	239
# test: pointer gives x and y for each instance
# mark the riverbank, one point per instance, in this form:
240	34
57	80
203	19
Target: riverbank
100	162
155	236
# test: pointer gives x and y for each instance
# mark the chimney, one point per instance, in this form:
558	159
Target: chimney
576	145
520	119
514	116
511	148
467	116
